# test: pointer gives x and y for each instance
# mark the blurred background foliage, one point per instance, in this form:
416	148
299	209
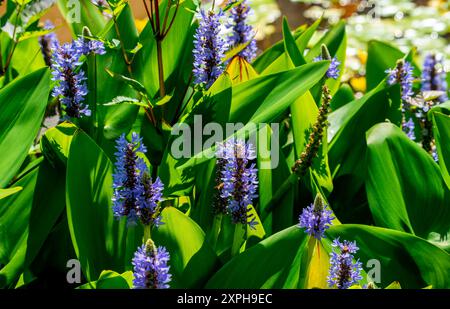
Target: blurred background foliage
423	24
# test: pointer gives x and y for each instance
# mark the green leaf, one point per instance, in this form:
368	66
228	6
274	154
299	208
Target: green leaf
410	260
404	194
27	57
55	143
10	191
347	159
252	103
111	280
285	260
289	45
125	100
441	133
100	241
305	37
20	119
332	39
79	14
343	96
26	219
271	54
136	85
273	263
191	258
381	56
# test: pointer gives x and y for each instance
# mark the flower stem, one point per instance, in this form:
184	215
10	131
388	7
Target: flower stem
238	239
147	234
124	53
11	53
217	224
159	38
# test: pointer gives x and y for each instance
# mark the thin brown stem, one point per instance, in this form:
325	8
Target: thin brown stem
166	15
166	30
11	53
162	89
124	53
149	15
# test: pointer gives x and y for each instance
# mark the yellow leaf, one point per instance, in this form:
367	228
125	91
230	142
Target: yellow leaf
240	70
318	266
140	24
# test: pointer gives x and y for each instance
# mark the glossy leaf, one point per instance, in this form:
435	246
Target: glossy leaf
20	119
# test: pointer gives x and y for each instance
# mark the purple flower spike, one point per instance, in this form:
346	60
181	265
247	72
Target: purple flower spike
433	78
316	219
48	43
408	128
242	32
333	69
148	210
239	179
402	74
150	267
343	271
135	197
127	185
209	49
70	79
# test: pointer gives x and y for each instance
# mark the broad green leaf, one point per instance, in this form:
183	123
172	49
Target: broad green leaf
441	133
55	143
176	48
410	260
343	96
112	121
269	55
273	263
100	241
20	119
289	45
191	258
347	159
404	194
280	260
82	13
252	104
111	280
10	191
381	56
333	39
27	57
305	37
26	219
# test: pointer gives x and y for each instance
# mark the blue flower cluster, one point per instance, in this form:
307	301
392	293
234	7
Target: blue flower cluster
239	180
135	195
316	219
343	271
402	74
48	42
408	128
242	32
150	267
70	79
433	78
333	69
209	49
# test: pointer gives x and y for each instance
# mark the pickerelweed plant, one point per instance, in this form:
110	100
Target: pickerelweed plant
70	86
252	168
